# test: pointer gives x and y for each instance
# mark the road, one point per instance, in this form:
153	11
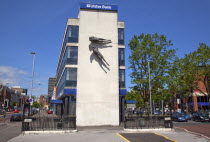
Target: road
9	130
196	127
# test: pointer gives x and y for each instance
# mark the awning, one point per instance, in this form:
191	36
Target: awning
201	104
130	101
56	101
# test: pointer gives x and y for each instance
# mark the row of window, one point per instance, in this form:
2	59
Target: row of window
70	56
72	35
69	79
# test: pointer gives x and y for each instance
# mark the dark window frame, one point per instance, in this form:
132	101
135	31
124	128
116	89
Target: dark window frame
121	52
121	37
74	36
121	78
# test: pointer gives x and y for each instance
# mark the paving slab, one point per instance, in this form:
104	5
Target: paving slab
111	134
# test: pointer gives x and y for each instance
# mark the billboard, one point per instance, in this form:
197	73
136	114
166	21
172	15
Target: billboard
98	6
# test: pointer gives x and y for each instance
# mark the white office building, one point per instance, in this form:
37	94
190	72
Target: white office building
91	67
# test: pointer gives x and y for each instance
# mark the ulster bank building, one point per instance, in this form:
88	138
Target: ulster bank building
91	67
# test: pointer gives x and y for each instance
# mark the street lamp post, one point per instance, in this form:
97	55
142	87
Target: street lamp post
32	81
150	94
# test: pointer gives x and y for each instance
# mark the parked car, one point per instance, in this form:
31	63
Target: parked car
16	117
49	112
157	112
137	112
16	111
200	116
187	115
33	111
179	117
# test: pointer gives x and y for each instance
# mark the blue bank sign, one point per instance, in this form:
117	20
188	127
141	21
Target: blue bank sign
98	6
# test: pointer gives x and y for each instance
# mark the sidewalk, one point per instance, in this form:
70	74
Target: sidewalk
111	134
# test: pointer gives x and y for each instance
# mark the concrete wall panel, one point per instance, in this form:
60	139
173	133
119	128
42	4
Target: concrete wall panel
98	85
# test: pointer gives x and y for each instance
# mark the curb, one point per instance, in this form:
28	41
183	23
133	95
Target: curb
48	132
150	130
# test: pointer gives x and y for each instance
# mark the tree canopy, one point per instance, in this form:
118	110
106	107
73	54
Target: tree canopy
150	52
152	57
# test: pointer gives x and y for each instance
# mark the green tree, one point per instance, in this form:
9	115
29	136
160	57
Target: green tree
191	69
41	105
33	97
203	67
35	104
133	95
13	103
150	49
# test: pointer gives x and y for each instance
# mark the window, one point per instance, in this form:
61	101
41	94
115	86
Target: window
121	36
72	54
122	78
71	77
121	55
70	58
72	34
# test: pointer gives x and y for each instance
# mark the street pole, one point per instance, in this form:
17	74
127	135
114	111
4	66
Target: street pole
150	94
32	81
162	104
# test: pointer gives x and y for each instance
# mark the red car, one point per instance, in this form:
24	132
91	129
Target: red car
16	111
50	112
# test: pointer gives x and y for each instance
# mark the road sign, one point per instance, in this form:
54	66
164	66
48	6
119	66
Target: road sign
27	120
31	100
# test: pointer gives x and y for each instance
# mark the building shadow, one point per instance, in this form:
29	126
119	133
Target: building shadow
100	62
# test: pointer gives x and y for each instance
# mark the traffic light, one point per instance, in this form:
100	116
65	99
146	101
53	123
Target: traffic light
5	104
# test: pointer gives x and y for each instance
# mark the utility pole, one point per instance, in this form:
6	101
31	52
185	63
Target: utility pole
150	94
32	81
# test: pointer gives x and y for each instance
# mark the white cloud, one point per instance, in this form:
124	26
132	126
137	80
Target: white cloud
17	77
11	75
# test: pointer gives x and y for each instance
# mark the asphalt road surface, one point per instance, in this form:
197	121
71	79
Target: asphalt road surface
196	127
145	137
9	130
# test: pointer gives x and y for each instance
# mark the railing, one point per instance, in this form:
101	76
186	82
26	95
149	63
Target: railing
49	123
147	122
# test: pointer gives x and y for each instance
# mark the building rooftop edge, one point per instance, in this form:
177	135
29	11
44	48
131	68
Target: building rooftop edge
99	3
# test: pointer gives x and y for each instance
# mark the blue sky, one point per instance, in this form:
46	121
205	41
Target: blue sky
38	26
